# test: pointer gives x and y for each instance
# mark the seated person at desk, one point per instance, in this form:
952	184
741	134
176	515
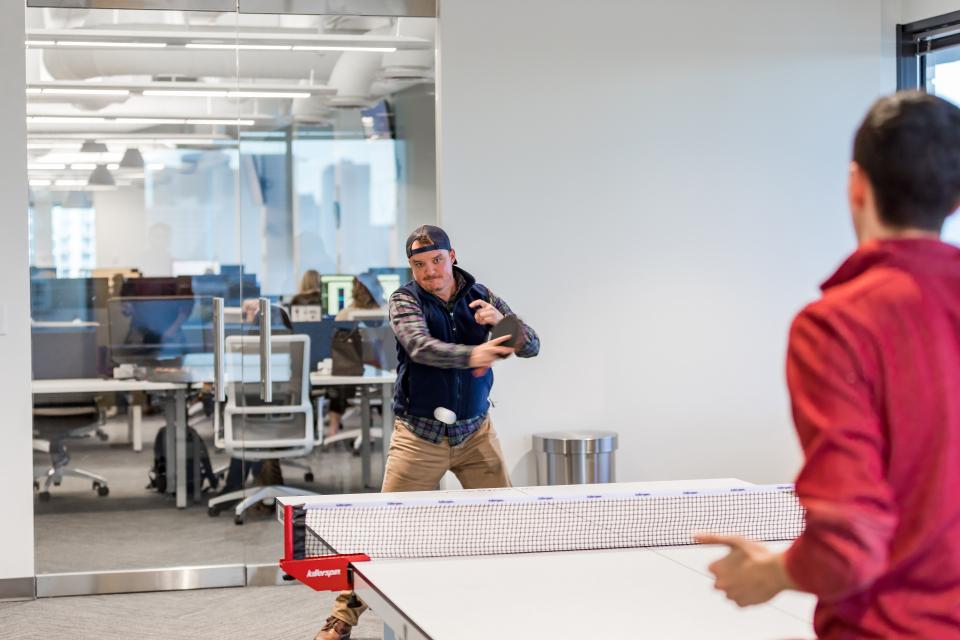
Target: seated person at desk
367	295
309	293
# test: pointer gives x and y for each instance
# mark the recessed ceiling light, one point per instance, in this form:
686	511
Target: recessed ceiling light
68	91
239	123
107	43
267	94
67	145
161	141
150	120
344	48
245	47
186	93
64	119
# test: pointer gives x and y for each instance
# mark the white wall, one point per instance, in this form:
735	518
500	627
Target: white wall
657	187
914	10
16	459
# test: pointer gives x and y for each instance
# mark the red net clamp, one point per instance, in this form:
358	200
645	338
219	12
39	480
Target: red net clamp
321	573
324	573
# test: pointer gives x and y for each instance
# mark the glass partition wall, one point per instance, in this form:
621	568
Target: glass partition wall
199	181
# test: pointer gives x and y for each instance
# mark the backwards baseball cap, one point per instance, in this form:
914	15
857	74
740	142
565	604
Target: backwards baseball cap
439	240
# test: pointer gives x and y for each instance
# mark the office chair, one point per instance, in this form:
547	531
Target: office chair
253	430
350	430
52	426
379	350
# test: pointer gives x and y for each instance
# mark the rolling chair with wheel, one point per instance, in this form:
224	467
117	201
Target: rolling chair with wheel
253	430
52	426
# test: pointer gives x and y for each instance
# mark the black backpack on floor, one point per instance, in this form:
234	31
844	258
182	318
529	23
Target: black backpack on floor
195	447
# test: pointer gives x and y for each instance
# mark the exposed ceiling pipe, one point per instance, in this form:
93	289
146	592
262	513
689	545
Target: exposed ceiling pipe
357	76
356	72
411	64
356	24
83	65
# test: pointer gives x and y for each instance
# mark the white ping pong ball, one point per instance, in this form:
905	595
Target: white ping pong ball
444	415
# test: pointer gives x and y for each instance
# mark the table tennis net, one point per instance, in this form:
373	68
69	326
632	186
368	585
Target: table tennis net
482	524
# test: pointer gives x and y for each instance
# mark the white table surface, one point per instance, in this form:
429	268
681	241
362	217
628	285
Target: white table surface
176	447
634	593
662	592
98	385
371	375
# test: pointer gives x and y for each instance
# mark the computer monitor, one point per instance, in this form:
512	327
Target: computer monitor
232	270
240	289
154	287
209	286
67	299
195	267
159	330
389	282
110	272
64	351
337	290
116	276
46	272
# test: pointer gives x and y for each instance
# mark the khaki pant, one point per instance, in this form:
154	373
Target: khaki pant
414	464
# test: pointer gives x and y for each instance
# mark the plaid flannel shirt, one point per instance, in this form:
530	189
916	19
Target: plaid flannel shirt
410	327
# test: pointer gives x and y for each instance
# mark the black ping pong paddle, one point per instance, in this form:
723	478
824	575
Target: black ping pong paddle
509	326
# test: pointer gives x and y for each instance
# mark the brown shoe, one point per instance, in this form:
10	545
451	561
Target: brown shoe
334	629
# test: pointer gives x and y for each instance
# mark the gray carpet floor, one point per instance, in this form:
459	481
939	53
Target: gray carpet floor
136	528
292	612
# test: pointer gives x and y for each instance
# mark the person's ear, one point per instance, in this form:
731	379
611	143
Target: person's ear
453	256
858	185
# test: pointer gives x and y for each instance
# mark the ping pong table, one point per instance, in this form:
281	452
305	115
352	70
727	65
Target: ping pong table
630	586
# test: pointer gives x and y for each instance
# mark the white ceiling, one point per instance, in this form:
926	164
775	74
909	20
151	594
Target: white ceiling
187	79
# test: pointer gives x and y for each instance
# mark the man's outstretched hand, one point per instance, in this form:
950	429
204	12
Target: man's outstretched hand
484	355
750	573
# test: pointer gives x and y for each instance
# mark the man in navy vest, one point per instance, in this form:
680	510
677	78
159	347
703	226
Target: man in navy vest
442	321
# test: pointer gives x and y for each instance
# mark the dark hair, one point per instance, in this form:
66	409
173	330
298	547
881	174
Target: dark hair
421	235
362	298
909	147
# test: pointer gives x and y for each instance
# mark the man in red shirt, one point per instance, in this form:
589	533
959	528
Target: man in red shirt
873	369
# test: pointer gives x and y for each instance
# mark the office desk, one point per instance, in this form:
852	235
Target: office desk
371	377
176	446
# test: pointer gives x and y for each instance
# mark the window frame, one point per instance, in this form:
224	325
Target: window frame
916	41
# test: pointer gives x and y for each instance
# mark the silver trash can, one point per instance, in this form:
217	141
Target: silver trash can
575	457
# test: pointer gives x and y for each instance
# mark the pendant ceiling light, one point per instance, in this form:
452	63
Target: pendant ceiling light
101	177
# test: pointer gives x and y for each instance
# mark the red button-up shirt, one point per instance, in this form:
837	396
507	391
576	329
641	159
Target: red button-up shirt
873	369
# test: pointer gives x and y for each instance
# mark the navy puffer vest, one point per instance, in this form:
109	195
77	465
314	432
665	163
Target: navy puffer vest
421	388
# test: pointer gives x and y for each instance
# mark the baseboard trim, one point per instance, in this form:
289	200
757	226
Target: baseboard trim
83	583
18	588
266	575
